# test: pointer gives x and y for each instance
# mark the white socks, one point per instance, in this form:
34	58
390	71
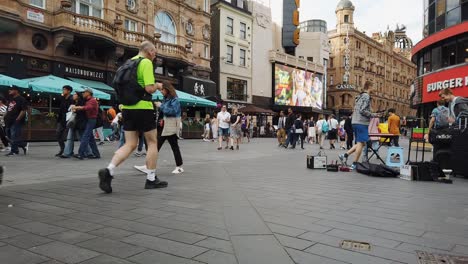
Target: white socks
111	169
151	176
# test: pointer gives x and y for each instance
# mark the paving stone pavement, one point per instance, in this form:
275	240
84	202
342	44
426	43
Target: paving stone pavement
257	205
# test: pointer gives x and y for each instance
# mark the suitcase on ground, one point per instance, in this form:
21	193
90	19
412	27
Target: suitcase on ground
459	154
427	171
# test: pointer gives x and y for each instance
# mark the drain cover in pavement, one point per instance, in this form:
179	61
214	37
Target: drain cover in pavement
433	258
355	245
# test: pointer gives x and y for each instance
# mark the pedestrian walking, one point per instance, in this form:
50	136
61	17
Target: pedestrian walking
311	131
289	128
61	130
348	127
214	128
245	127
342	134
99	128
224	118
236	131
3	137
207	128
76	124
139	116
251	126
394	127
281	134
91	108
360	120
333	133
458	106
322	129
15	119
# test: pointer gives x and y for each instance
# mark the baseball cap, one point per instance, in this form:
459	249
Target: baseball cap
89	90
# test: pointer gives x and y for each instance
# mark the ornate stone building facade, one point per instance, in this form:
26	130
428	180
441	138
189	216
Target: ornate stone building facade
356	58
91	38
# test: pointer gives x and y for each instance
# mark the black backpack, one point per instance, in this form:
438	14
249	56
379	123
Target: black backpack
126	86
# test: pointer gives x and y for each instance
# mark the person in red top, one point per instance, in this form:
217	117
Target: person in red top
91	110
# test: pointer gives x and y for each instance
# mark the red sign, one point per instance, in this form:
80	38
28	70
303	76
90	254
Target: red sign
455	79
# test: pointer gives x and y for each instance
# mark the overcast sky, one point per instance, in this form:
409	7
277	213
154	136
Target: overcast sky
370	15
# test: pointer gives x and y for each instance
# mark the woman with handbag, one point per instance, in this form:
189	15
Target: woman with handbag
168	125
76	122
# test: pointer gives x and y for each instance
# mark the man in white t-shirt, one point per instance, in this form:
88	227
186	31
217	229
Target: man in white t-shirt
223	125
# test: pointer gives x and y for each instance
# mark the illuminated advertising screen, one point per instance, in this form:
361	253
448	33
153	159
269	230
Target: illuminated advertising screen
296	87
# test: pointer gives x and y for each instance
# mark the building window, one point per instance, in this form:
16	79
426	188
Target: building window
346	18
242	57
38	3
462	54
165	26
240	3
130	25
243	30
230	26
331	62
449	54
206	6
229	54
436	59
206	51
229	1
236	89
311	59
88	7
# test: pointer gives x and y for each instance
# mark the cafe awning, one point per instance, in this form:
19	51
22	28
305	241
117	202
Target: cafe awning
54	84
188	99
94	84
10	81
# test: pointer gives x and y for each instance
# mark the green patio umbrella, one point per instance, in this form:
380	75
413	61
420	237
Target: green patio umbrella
187	99
10	81
54	84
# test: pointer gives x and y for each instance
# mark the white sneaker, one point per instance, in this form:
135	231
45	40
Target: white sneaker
6	149
142	169
178	170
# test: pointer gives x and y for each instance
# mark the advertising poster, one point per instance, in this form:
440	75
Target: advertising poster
296	87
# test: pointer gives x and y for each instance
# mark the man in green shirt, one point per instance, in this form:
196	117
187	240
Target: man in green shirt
140	117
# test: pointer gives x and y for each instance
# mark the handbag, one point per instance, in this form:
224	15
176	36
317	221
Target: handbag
71	119
299	131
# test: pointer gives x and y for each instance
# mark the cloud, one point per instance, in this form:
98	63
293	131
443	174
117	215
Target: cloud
371	15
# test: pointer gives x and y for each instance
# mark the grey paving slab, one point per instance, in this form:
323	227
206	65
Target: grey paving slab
77	225
47	208
345	255
65	252
184	237
14	255
461	250
125	215
297	221
27	240
285	230
213	232
216	244
104	259
6	231
11	220
243	220
136	227
259	250
52	261
412	248
72	237
293	242
348	227
165	245
39	228
421	241
111	232
322	238
155	257
111	247
301	257
215	257
152	212
448	238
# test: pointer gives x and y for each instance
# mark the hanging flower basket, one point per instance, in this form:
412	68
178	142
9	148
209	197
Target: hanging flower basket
66	3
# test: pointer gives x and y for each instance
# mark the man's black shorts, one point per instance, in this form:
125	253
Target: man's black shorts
139	120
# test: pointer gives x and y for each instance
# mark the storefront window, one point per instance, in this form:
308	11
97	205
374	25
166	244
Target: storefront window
440	22
236	89
462	54
165	26
436	58
449	53
38	3
451	4
464	10
440	9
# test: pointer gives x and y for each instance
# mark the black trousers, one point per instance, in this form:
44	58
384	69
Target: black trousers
349	140
173	141
61	134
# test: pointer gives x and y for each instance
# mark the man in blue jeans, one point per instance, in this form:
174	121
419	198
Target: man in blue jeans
289	128
14	121
91	110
